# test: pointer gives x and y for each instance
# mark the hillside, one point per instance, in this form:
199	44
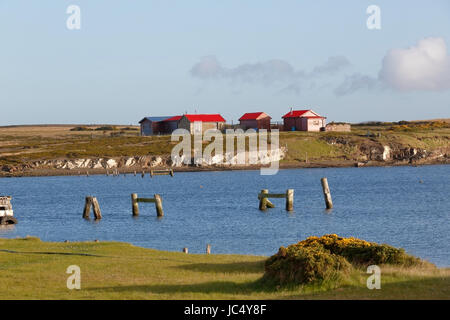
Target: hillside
71	149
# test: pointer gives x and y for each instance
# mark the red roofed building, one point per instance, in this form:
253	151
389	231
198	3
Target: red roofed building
196	123
303	120
255	120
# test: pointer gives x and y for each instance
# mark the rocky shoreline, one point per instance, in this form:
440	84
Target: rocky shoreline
369	154
138	169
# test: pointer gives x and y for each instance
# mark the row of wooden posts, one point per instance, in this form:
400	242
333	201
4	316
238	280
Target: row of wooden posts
152	173
208	249
116	173
263	197
265	203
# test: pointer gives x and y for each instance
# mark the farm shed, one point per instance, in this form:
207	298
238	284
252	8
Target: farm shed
303	120
151	125
196	123
338	127
255	120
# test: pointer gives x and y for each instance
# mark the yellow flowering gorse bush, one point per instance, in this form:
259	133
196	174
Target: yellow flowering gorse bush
320	258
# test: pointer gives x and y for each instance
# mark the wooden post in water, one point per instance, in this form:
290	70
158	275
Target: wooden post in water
208	249
171	172
326	193
263	200
158	205
143	174
185	250
134	204
87	207
96	207
135	173
290	199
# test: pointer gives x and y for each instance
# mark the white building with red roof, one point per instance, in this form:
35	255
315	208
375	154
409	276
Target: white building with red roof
199	123
303	120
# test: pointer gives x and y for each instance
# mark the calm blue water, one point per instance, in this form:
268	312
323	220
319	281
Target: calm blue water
386	205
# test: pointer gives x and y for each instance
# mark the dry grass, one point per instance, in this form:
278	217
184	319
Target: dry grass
32	269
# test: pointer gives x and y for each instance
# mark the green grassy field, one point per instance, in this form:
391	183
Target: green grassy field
32	269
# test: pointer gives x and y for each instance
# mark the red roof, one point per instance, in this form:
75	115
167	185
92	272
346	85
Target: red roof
299	113
205	117
251	116
175	118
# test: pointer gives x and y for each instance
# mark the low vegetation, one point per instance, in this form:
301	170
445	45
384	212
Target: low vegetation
331	257
33	269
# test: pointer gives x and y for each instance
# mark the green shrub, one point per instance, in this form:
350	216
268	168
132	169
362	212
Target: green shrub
105	128
329	257
360	251
300	265
81	129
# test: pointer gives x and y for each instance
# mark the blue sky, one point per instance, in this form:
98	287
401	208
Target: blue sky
132	59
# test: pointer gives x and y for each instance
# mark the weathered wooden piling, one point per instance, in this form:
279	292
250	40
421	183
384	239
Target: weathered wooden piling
135	173
158	205
265	203
134	204
87	207
185	250
326	193
290	199
263	200
157	200
161	172
208	249
143	174
96	207
92	202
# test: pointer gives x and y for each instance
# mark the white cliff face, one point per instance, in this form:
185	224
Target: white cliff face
251	158
387	153
111	163
152	161
97	164
158	161
177	161
130	162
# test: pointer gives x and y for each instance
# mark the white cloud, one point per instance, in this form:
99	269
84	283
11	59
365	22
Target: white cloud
425	66
356	82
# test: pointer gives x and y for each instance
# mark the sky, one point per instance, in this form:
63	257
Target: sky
131	59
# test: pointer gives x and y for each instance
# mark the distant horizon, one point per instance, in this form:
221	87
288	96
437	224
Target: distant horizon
137	124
